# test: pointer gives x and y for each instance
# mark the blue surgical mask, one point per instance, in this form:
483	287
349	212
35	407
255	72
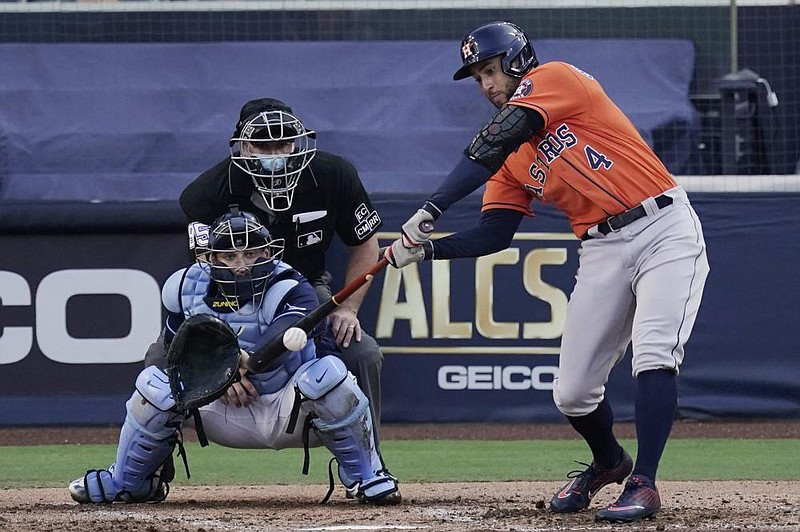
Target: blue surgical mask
272	163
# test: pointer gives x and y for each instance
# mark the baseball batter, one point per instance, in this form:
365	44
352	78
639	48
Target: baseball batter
558	138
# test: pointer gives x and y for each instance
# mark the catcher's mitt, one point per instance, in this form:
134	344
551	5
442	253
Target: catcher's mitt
202	361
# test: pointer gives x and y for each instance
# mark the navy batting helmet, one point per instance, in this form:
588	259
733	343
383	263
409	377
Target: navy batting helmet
493	39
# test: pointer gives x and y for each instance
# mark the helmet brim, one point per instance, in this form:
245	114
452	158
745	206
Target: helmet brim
465	72
462	73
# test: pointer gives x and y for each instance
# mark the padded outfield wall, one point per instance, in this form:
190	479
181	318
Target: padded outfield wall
464	340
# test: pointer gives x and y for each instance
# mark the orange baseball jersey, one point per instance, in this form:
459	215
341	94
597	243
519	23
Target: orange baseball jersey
589	160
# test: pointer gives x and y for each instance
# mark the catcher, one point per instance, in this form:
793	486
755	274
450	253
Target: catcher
304	398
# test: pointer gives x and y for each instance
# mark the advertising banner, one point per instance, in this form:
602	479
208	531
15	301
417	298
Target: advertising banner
464	340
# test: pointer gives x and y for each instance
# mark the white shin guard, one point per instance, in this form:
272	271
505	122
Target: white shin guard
146	441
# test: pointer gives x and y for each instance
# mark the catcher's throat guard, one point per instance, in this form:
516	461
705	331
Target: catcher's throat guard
202	361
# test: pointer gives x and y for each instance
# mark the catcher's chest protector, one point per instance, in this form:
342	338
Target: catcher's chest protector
250	325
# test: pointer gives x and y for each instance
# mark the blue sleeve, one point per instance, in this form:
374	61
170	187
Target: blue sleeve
494	233
172	322
503	134
466	177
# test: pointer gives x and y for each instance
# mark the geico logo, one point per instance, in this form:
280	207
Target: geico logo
496	377
52	334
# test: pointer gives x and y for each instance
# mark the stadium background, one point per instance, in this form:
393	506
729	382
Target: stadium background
110	108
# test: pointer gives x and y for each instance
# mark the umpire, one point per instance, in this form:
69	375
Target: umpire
305	197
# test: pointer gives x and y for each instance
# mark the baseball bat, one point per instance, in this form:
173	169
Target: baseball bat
275	348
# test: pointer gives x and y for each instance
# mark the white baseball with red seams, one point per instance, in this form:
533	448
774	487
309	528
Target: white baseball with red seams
295	339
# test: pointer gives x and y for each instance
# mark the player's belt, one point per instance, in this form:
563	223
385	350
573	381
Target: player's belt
615	223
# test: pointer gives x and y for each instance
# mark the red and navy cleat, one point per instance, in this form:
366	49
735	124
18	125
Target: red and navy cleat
577	494
639	500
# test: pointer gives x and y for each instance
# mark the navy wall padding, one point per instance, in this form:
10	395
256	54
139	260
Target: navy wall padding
138	121
742	360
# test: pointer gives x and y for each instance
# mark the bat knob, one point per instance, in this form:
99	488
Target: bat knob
426	227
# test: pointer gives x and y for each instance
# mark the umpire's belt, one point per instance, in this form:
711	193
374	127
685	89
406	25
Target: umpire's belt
615	223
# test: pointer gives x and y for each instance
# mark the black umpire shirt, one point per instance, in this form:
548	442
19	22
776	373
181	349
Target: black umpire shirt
329	199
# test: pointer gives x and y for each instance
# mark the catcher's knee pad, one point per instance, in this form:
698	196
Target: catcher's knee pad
148	436
344	425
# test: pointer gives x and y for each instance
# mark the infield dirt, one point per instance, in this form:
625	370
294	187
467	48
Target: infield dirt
456	507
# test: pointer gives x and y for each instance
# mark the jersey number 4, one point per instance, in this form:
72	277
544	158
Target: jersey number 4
596	159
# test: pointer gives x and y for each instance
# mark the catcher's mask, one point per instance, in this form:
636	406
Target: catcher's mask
242	255
273	148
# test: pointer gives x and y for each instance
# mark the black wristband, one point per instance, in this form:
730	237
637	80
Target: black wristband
432	209
427	248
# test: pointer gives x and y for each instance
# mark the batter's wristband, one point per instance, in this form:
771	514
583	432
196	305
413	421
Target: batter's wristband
427	248
431	208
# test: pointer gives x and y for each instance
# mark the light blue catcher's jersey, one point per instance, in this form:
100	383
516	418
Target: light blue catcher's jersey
186	289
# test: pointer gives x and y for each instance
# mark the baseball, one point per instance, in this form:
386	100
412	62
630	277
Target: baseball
294	339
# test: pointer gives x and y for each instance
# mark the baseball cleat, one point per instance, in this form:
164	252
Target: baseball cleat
639	500
77	490
386	499
104	491
381	490
578	493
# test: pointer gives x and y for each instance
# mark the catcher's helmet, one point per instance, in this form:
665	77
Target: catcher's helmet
493	39
239	231
265	129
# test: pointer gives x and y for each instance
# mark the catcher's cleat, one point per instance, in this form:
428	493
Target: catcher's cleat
380	490
388	499
578	493
104	490
77	490
639	500
351	492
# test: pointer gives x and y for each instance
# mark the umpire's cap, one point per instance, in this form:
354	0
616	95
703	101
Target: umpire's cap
255	107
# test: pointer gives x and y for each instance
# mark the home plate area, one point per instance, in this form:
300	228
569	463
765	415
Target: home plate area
456	507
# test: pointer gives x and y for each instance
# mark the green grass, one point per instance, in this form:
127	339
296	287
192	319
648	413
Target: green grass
416	461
